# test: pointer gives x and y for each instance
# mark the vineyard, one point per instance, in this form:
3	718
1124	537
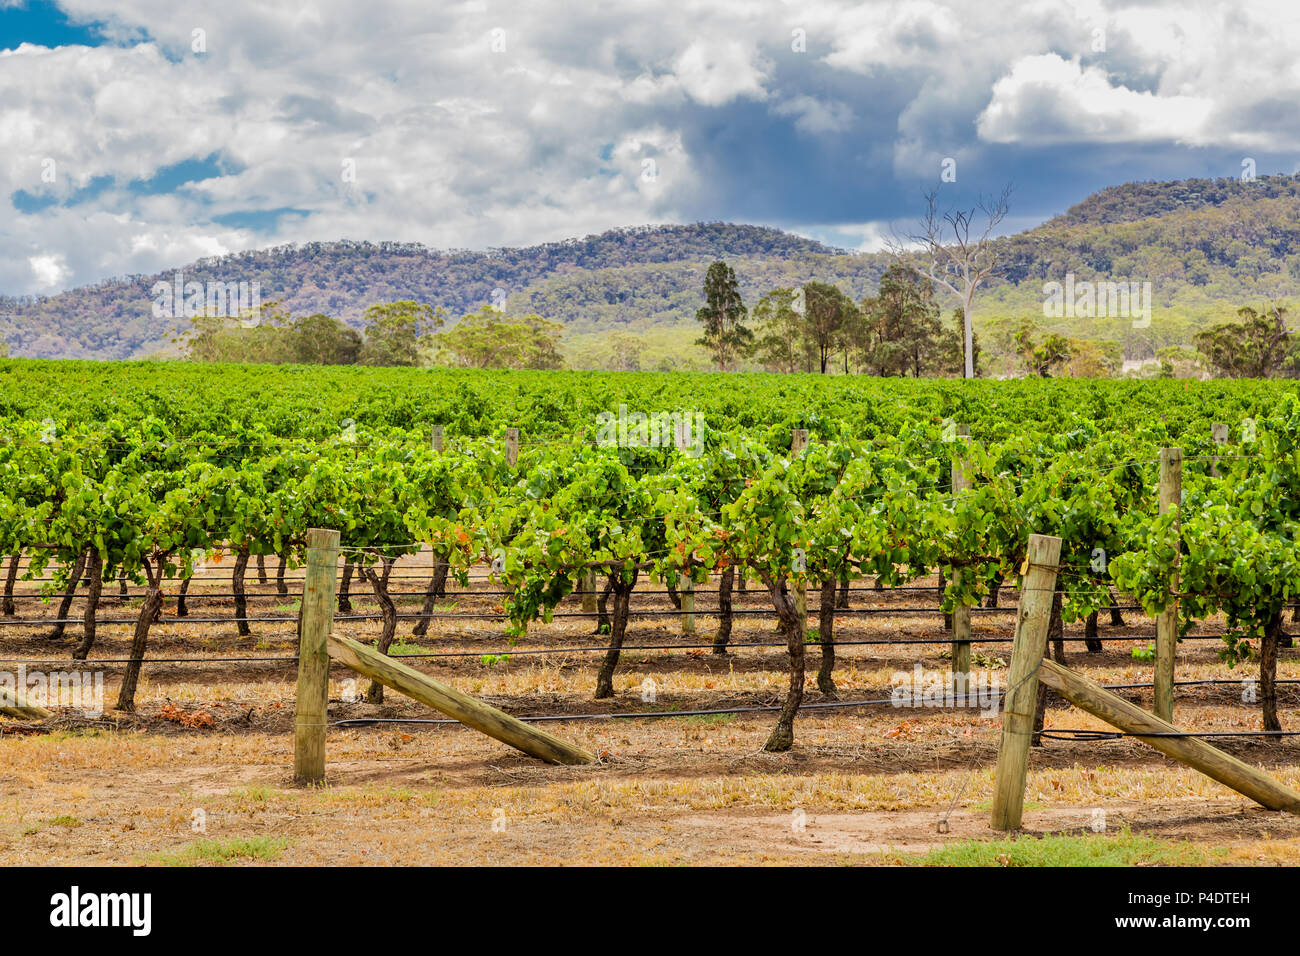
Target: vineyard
712	583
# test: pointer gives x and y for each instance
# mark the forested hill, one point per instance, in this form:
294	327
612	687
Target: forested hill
657	268
1133	201
1207	247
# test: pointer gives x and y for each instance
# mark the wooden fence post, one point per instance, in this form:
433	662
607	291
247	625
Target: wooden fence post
687	595
1171	499
961	612
1219	432
318	595
589	596
798	441
512	446
437	439
1021	697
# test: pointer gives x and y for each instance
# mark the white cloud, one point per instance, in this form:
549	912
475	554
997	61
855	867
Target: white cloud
48	270
716	72
455	145
1045	100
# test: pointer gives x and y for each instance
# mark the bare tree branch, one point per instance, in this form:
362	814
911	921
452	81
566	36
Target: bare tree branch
950	257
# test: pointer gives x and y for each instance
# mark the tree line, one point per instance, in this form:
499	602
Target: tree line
817	327
396	334
900	331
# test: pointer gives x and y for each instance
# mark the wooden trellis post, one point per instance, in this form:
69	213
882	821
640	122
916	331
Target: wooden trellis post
437	439
512	446
1219	432
318	596
961	612
1033	616
798	445
687	595
1171	499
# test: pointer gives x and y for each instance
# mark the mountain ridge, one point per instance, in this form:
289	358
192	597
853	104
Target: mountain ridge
1208	246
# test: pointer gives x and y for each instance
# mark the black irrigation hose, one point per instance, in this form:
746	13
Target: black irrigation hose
480	615
763	708
826	705
736	592
508	652
143	660
1072	734
12	622
193	597
39	622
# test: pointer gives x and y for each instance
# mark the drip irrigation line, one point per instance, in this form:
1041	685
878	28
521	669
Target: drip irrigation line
755	709
507	652
38	622
143	660
1088	736
491	616
768	708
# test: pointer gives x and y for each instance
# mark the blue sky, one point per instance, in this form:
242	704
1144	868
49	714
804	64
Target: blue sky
143	134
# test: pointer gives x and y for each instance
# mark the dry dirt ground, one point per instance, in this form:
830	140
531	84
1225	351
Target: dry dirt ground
875	784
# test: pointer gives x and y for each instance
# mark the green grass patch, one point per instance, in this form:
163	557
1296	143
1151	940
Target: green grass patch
80	733
254	793
65	821
401	649
222	852
1121	849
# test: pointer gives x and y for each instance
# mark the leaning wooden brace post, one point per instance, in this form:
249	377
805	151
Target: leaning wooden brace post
798	445
453	703
1171	499
961	612
512	446
1193	752
14	703
1021	699
318	596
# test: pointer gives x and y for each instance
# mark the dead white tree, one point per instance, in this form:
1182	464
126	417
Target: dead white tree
952	251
